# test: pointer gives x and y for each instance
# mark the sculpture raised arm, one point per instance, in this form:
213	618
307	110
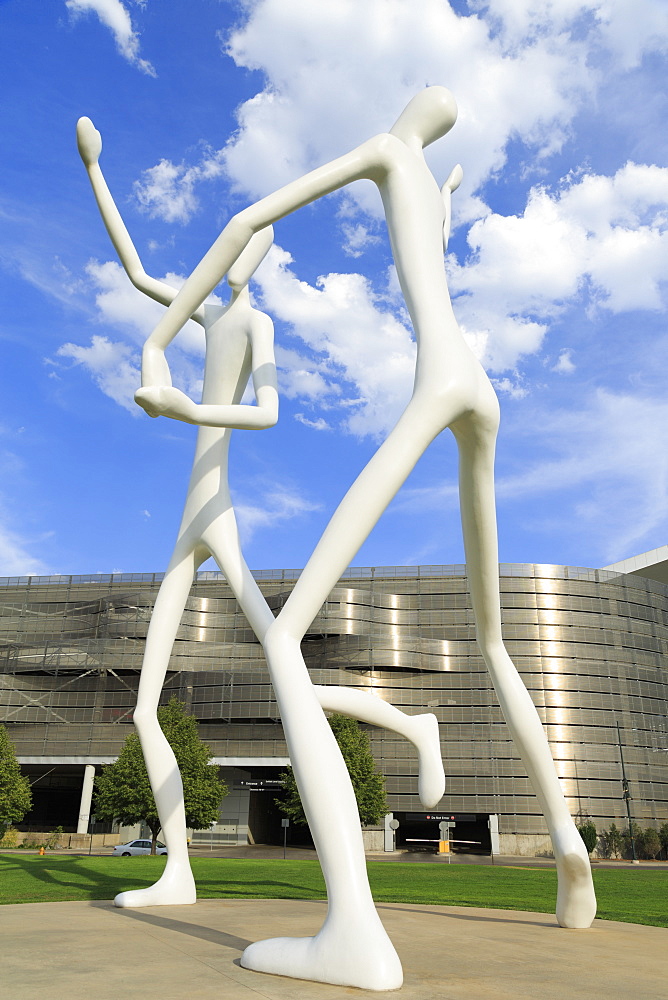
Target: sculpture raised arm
89	143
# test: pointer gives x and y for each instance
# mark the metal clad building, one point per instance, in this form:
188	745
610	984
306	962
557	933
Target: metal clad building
590	645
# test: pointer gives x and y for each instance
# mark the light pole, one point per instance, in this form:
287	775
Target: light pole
626	795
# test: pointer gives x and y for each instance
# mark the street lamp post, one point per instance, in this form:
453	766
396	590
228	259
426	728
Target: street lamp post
626	794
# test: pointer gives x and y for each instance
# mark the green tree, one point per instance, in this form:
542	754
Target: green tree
123	791
15	794
649	843
368	784
636	832
663	837
613	840
587	831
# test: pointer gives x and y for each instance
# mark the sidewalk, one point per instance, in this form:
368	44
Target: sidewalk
75	951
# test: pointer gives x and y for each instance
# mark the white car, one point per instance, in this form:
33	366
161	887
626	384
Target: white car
138	847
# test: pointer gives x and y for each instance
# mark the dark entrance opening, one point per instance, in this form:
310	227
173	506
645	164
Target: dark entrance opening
264	815
469	832
56	797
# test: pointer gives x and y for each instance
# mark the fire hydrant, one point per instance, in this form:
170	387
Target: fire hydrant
41	852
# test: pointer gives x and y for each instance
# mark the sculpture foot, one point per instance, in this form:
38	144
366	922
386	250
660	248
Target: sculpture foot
431	780
176	887
361	955
576	901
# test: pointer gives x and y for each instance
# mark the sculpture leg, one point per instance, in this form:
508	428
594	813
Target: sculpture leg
176	884
352	947
576	902
420	730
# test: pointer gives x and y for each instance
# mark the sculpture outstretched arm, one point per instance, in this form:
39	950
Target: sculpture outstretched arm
89	143
452	183
366	161
167	401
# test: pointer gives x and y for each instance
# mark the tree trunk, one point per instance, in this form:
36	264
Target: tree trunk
154	836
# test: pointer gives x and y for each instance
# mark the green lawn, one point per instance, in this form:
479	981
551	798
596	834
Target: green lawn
637	896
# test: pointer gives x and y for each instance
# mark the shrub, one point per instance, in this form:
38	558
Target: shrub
612	842
10	839
53	840
588	833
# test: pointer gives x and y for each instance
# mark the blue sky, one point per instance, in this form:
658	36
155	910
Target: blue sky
557	267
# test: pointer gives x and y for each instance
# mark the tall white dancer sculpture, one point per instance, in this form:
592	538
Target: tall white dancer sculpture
450	390
239	340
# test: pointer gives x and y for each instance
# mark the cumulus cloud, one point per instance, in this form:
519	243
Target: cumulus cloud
363	356
167	190
115	364
598	240
564	364
114	367
122	305
311	110
114	15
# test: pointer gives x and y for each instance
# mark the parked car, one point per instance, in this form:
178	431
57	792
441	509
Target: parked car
138	847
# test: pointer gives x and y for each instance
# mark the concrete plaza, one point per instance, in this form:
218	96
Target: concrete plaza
77	950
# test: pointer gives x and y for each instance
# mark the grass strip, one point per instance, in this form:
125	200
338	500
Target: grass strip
633	896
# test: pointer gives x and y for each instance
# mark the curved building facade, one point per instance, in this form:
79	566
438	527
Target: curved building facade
591	646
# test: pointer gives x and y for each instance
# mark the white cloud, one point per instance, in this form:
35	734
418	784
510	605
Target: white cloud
601	474
167	190
365	63
317	425
564	364
113	366
626	29
124	306
600	239
279	503
15	556
114	15
365	355
357	239
608	456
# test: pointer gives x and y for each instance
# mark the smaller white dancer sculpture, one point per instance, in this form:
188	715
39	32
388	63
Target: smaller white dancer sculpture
239	342
451	390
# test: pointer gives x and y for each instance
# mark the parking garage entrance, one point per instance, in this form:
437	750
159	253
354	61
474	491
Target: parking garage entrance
469	833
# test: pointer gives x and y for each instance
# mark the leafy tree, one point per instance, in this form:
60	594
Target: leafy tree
368	784
123	791
587	831
663	837
626	837
15	794
649	843
613	840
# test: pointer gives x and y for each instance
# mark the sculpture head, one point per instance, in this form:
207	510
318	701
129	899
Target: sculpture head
250	259
427	117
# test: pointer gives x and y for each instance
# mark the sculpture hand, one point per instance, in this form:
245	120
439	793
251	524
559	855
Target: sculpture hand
455	178
89	141
166	401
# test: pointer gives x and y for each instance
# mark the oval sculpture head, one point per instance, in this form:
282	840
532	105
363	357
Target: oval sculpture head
427	117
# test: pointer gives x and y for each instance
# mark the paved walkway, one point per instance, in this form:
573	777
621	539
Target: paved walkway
72	951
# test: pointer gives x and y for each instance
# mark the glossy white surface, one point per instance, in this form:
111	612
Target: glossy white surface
450	390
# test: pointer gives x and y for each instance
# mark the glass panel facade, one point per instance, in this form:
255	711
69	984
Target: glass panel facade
590	645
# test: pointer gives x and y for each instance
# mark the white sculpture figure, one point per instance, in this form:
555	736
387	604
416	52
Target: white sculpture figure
239	339
450	390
